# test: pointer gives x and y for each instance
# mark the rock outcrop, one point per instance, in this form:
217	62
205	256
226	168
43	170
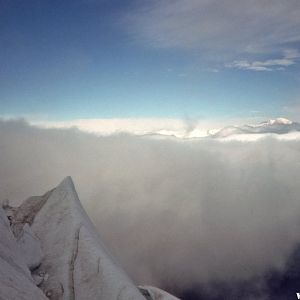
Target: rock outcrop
154	293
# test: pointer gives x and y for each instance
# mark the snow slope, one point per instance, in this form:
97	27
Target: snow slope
49	249
16	282
77	265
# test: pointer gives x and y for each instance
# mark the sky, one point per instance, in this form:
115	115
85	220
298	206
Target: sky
180	59
199	211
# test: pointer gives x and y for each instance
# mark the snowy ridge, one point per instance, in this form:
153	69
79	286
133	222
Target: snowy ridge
51	249
273	126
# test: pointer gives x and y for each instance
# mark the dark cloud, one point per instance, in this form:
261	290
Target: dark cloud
272	284
175	213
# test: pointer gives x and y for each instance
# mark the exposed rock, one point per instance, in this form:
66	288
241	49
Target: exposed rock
154	293
26	212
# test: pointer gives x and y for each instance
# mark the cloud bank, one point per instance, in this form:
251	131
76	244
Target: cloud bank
182	128
135	126
174	213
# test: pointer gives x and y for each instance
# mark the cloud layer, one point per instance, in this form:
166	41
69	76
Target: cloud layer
221	30
279	128
172	212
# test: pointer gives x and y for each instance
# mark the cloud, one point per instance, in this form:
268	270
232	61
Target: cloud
289	58
137	126
182	128
219	30
173	213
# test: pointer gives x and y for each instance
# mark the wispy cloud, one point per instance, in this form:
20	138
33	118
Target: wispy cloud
289	58
220	30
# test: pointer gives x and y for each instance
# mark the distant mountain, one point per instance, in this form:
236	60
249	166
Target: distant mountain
275	126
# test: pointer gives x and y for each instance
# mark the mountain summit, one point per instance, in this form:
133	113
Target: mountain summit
50	249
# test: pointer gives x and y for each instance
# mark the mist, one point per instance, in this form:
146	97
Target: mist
174	212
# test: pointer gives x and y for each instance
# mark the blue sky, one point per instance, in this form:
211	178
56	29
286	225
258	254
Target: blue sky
65	60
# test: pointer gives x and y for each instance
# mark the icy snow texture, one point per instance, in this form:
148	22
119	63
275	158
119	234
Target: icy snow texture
75	260
16	282
30	247
49	249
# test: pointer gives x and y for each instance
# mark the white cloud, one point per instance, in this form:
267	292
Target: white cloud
159	127
137	126
164	128
220	30
186	212
289	58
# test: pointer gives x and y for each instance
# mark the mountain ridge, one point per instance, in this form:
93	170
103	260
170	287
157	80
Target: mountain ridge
51	249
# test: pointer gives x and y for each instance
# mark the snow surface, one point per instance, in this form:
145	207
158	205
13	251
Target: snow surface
75	260
31	247
49	249
16	282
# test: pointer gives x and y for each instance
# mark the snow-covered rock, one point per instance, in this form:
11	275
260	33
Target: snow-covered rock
154	293
31	247
49	249
16	282
75	260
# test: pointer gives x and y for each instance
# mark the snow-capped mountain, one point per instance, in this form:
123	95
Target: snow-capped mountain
49	249
273	126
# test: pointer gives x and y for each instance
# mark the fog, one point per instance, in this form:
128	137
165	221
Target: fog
173	212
